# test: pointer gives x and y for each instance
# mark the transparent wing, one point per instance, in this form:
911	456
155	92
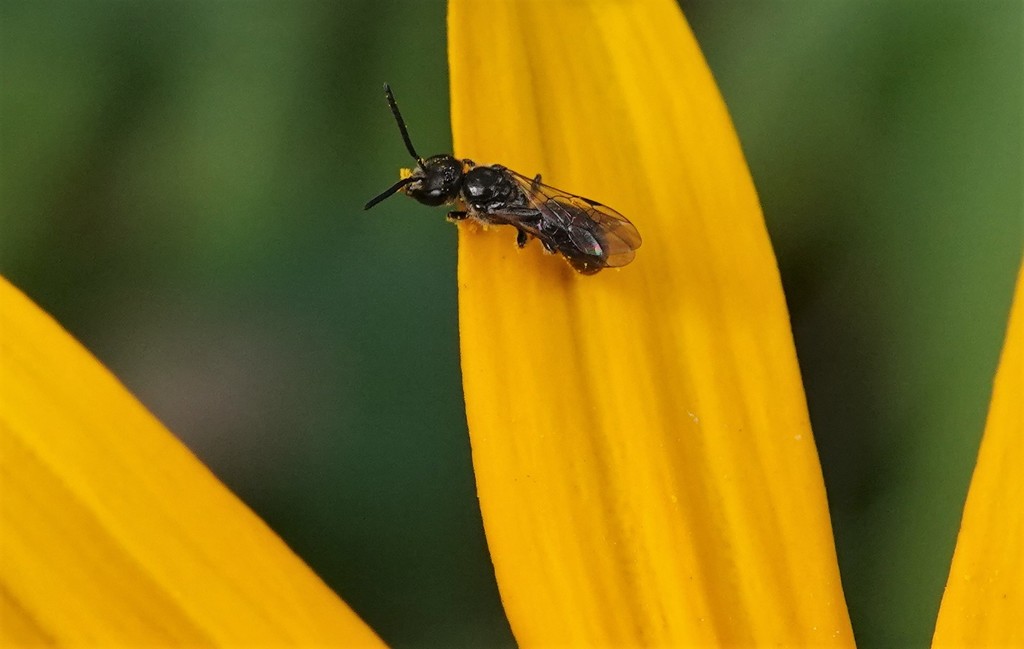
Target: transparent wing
594	229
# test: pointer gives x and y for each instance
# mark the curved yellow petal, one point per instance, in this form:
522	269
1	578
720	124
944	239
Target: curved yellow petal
642	449
985	591
113	534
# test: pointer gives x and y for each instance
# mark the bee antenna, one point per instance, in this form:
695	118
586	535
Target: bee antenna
401	123
388	192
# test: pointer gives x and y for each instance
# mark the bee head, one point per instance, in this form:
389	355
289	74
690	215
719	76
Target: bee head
436	180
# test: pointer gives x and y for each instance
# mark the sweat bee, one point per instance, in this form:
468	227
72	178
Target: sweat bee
590	236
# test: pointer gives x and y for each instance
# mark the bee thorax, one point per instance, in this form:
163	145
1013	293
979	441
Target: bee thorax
488	186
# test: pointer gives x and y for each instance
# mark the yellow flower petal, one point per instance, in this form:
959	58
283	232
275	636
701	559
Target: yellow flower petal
112	533
985	591
641	442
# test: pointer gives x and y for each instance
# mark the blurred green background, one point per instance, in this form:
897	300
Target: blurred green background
182	186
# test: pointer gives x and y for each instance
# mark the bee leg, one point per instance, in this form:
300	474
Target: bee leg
457	215
550	247
536	183
522	238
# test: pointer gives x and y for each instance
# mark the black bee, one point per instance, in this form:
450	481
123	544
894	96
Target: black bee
590	236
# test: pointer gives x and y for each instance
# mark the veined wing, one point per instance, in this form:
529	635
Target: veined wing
594	229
